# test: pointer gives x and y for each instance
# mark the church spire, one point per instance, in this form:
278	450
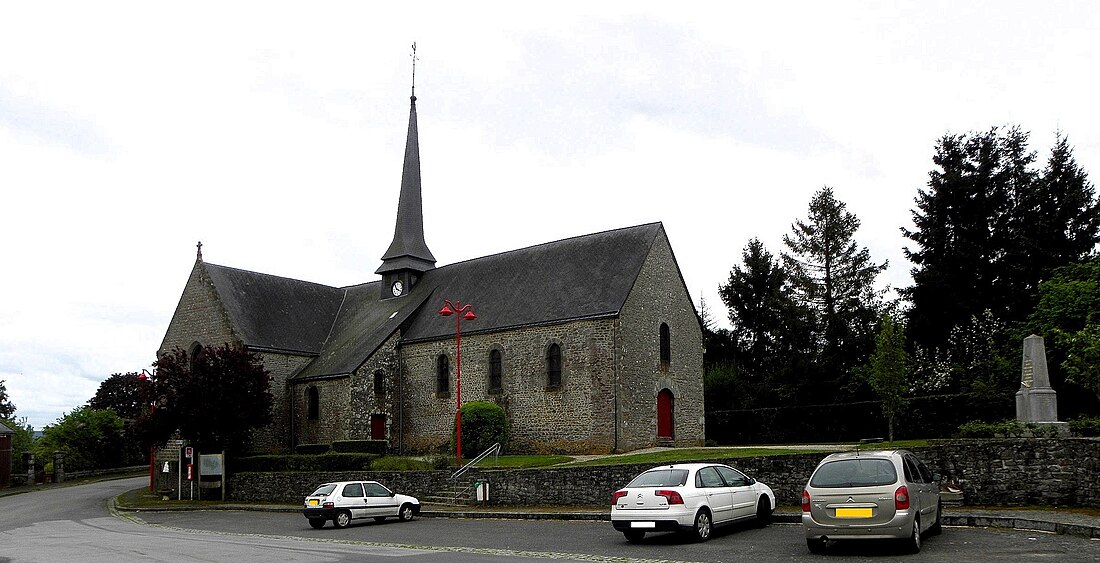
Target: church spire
408	254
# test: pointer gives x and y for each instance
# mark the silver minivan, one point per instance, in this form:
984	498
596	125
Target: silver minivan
886	494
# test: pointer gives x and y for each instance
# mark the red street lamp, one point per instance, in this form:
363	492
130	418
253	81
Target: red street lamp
460	312
148	377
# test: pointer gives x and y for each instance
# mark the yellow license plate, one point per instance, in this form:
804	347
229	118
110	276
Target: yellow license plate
313	502
853	513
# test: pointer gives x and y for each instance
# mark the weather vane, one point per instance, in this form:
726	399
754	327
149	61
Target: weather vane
414	70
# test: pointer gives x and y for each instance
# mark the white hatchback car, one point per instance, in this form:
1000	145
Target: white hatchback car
886	494
345	501
689	497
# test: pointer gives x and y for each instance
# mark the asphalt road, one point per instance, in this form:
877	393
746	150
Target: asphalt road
74	524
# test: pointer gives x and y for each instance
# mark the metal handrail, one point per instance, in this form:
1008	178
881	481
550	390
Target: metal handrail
493	450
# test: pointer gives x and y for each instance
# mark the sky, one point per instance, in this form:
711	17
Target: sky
274	132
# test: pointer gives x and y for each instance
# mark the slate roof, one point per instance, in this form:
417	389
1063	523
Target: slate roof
276	313
583	277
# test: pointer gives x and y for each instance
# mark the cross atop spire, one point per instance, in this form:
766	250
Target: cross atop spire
414	71
198	253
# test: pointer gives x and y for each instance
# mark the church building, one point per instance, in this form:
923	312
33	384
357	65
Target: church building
590	344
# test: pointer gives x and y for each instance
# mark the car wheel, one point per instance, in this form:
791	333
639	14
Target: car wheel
406	513
342	519
937	526
912	543
317	523
701	529
763	512
634	536
816	545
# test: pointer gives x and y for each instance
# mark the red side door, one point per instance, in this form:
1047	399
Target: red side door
664	414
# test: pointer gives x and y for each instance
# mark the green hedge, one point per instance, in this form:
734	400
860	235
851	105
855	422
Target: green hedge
307	449
923	417
360	446
322	462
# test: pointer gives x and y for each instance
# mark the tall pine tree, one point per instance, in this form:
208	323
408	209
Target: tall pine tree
834	277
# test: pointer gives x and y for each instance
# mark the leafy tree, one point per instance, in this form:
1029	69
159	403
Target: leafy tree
122	393
7	409
887	371
215	398
1068	317
89	438
833	277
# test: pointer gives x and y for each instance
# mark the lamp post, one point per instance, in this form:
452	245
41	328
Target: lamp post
460	312
147	378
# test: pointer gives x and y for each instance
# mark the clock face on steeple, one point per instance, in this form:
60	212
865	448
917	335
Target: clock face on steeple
397	288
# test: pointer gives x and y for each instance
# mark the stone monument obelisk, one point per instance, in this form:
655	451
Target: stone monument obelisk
1036	401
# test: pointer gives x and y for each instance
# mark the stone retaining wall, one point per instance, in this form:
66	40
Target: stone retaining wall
1008	472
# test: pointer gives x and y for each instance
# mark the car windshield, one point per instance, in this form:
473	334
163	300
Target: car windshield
865	472
660	478
324	490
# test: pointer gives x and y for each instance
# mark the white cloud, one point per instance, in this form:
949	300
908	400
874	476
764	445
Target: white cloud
274	133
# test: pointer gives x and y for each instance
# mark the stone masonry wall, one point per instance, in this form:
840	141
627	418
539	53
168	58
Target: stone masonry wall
1008	472
659	296
199	316
573	417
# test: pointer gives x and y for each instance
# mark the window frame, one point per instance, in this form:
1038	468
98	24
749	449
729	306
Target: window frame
554	366
665	345
496	371
313	403
443	375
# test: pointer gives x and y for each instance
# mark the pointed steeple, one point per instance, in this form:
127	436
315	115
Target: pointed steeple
408	256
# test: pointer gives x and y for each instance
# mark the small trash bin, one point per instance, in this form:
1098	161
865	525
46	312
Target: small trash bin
481	490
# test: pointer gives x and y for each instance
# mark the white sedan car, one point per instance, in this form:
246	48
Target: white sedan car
689	497
345	501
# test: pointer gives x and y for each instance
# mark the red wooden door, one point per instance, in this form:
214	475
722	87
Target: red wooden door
377	427
664	414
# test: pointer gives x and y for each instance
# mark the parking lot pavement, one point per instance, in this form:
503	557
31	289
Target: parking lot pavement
1055	520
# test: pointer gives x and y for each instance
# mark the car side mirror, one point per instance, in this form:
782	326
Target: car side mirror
393	494
936	477
752	481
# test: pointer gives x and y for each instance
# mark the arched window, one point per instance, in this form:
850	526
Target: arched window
313	403
379	382
553	366
194	354
666	346
495	373
442	374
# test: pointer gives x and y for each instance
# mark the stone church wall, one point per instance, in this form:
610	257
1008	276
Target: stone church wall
199	316
365	402
659	296
332	408
575	417
275	437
